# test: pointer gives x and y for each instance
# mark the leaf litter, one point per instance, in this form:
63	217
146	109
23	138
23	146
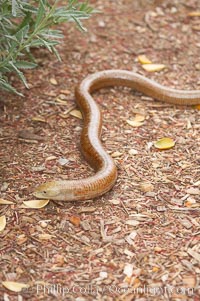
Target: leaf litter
153	232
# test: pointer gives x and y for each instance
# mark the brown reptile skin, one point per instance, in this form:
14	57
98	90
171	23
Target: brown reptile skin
91	147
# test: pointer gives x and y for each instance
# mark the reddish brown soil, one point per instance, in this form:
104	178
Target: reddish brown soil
153	234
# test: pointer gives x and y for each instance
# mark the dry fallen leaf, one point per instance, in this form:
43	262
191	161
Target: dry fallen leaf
157	249
129	238
61	101
36	204
45	236
139	117
50	158
128	269
65	91
53	81
134	123
39	119
155	269
75	220
137	283
2	222
190	202
137	121
114	202
193	190
21	239
194	254
29	135
58	260
143	59
5	202
189	280
116	154
187	204
197	27
103	275
14	286
194	14
197	183
76	113
63	161
164	143
132	222
146	187
133	152
153	67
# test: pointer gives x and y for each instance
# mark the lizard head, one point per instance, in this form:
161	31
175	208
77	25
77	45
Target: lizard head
54	190
46	191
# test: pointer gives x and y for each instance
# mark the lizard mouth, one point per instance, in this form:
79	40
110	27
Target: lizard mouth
45	191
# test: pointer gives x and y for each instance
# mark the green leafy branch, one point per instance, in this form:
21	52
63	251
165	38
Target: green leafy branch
27	24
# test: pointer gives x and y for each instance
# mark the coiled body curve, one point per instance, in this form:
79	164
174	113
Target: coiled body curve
91	146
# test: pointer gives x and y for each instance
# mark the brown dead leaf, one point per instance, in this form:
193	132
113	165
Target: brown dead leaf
193	190
75	220
196	27
36	204
50	158
5	202
116	154
146	187
29	135
139	117
157	249
136	283
133	152
190	202
189	281
65	92
45	236
2	222
58	260
14	286
53	81
194	254
61	101
114	202
76	113
137	121
155	269
128	269
87	209
39	119
194	13
153	67
132	222
21	239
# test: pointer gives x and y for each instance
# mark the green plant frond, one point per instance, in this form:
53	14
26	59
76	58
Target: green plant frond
40	15
19	73
25	65
15	8
28	23
8	87
54	50
22	33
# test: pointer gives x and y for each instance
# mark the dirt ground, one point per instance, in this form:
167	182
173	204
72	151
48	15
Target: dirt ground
140	241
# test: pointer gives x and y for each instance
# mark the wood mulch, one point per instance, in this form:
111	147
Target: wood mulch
140	241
